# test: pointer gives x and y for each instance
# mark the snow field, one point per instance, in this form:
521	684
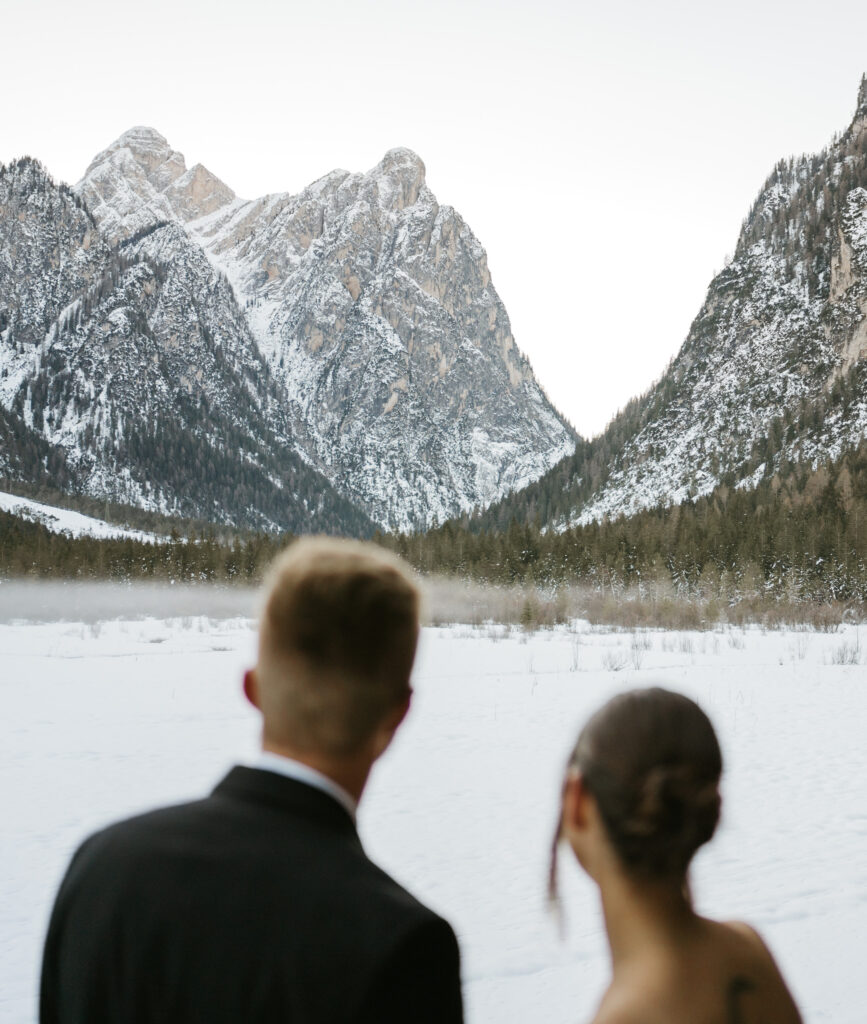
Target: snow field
106	718
63	520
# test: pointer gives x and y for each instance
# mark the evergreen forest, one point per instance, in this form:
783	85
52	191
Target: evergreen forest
801	537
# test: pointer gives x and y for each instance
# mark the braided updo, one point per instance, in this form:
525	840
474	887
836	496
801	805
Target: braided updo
651	760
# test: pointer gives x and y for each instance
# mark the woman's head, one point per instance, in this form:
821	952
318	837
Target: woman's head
651	763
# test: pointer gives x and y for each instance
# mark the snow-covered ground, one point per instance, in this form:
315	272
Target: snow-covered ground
62	520
105	718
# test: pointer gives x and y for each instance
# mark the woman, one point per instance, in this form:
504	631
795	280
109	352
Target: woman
641	796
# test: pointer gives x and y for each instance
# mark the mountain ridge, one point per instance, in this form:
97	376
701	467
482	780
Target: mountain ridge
781	325
96	383
352	329
374	307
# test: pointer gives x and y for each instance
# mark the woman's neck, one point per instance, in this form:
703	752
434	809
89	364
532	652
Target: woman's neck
643	915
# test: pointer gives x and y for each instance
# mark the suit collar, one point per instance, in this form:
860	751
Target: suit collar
293	769
260	786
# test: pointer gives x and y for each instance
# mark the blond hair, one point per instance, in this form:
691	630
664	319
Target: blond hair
337	642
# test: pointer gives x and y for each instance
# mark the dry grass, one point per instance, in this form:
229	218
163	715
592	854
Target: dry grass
614	660
847	653
452	601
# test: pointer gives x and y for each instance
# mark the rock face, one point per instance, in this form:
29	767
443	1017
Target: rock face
772	372
373	309
140	180
127	372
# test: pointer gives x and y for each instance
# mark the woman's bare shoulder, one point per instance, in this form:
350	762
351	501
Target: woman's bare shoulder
621	1016
645	999
760	975
750	943
618	1010
739	980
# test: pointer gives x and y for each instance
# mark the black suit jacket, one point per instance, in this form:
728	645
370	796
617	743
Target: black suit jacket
256	904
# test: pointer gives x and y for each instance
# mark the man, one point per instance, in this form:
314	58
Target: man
258	904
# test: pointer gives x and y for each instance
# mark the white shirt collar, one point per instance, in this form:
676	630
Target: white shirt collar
292	769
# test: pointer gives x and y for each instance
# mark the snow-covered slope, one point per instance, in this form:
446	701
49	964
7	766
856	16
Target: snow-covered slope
127	372
140	180
772	372
63	520
375	311
780	324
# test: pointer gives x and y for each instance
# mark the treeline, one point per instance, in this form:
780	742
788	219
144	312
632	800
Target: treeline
556	496
799	538
30	549
26	455
803	537
576	477
130	517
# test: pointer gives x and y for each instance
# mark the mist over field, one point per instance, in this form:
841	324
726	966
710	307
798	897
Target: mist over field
92	601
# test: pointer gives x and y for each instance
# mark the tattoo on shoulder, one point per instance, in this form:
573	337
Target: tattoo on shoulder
739	986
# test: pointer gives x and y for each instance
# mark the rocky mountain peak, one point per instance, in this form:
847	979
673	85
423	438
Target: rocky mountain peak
399	159
372	307
140	180
147	149
198	193
143	138
400	176
859	122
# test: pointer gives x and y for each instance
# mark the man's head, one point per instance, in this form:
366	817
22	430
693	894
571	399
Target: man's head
336	646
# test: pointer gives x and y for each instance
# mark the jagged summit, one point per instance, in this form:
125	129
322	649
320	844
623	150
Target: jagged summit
143	138
140	180
859	121
142	135
400	175
374	308
146	147
400	157
129	373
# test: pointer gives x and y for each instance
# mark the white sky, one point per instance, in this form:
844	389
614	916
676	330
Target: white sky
604	154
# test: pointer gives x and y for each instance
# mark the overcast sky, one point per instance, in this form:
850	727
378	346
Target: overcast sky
604	154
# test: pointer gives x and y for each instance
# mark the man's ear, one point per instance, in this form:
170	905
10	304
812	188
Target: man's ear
389	725
402	709
251	688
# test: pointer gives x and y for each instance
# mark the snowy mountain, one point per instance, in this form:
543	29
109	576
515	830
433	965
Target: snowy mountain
772	373
62	520
140	181
127	372
373	309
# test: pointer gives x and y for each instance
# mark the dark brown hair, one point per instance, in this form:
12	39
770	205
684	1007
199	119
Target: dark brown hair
651	760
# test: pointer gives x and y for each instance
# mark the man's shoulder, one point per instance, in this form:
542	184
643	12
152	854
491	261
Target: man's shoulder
155	818
236	810
309	859
134	833
393	897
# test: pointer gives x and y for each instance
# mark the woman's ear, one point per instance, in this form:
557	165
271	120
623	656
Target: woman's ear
580	818
575	800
